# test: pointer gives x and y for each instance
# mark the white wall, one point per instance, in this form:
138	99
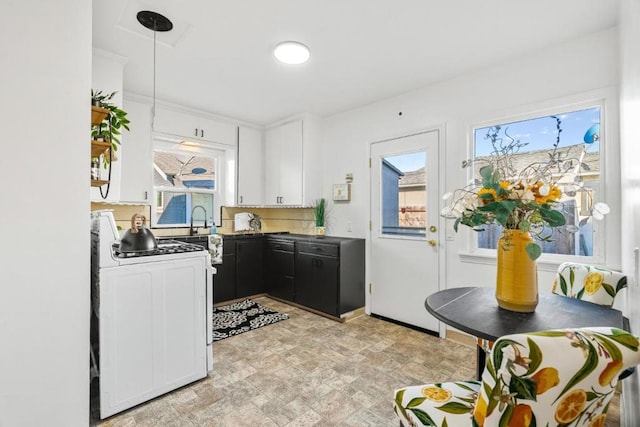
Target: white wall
44	256
630	154
516	85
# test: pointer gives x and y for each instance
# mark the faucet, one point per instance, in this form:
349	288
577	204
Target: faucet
191	230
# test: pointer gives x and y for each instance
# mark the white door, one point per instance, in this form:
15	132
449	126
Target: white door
404	228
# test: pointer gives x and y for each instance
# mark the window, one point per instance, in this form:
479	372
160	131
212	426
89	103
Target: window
404	194
569	133
185	186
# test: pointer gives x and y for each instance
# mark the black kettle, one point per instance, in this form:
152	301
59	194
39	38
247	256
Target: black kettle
138	238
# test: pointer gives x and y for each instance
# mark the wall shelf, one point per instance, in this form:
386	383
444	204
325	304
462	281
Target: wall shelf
98	182
99	147
98	114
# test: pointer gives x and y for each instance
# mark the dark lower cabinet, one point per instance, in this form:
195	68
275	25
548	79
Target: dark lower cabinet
224	281
329	277
249	264
279	268
324	274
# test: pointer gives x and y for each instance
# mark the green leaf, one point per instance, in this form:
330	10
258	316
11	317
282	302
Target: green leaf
416	401
580	293
486	172
624	338
607	287
525	387
622	283
455	408
572	277
399	396
424	418
533	250
505	419
563	284
611	348
589	365
548	333
535	354
552	217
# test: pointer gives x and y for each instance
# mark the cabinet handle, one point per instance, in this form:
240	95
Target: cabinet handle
146	194
196	132
202	133
240	199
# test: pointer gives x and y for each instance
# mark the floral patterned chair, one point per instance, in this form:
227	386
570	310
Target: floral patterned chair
557	377
589	283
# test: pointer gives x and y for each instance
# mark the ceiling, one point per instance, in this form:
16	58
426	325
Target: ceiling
218	57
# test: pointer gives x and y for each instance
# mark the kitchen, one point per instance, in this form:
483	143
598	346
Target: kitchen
50	63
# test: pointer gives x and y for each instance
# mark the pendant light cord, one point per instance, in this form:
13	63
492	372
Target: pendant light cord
153	112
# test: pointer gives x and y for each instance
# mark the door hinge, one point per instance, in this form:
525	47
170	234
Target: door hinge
369	287
369	162
370	226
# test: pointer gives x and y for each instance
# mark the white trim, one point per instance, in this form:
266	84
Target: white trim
605	99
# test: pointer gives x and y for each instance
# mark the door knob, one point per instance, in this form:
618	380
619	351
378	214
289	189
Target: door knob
433	229
432	242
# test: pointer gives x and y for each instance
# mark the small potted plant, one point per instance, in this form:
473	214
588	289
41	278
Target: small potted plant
319	216
110	126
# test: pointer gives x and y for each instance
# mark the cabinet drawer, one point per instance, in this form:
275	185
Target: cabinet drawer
326	249
280	245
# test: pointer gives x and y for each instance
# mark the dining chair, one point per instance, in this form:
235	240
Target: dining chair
590	283
586	282
555	377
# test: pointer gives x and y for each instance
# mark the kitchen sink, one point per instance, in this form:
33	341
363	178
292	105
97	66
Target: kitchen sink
202	240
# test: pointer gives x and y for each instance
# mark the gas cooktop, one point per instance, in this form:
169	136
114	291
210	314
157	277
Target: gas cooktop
165	247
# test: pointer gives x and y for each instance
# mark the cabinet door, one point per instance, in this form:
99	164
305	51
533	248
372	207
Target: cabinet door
249	167
152	331
291	164
136	154
283	165
193	127
249	254
279	268
224	282
316	282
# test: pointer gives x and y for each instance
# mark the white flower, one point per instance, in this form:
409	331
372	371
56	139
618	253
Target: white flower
603	208
544	190
447	196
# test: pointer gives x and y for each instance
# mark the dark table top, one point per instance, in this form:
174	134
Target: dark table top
475	310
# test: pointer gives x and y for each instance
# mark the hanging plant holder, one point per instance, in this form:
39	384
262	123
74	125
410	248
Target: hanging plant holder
98	114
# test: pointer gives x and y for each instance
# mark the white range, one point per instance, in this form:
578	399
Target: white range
153	315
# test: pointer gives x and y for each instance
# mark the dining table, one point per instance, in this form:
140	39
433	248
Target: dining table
475	310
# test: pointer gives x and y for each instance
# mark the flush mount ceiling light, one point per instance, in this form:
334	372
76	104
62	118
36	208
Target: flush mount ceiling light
291	53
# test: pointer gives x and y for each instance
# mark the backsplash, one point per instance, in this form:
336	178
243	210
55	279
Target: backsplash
293	220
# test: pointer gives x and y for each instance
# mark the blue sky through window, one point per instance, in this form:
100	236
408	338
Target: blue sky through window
540	133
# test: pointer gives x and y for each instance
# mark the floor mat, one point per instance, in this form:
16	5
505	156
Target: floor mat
240	317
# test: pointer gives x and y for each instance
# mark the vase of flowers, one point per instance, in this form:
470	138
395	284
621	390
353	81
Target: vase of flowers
526	203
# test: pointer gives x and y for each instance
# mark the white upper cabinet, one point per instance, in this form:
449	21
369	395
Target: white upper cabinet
250	157
291	164
136	154
193	126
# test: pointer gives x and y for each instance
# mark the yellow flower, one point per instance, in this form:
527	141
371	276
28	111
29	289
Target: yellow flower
487	195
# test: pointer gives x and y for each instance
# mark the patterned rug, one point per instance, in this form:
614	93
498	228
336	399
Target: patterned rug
240	317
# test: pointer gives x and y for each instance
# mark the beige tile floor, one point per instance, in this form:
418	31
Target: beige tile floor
308	371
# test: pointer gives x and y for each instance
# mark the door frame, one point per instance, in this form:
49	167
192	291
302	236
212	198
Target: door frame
442	178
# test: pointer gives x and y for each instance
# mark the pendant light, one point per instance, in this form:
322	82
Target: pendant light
155	22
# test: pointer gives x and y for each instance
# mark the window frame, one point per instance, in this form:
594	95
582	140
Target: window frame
216	153
603	248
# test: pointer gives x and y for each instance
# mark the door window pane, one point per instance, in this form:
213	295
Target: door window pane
404	194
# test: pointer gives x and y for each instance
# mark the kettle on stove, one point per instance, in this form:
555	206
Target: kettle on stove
138	238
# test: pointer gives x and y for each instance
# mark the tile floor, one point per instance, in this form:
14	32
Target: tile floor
308	371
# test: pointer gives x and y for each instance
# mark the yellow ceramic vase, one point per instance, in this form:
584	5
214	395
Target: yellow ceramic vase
517	278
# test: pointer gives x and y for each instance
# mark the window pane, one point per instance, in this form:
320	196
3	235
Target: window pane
404	194
178	208
183	170
534	141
